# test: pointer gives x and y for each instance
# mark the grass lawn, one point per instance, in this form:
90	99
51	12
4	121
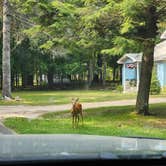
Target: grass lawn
64	97
112	121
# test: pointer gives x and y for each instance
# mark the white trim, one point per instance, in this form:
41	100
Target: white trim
138	75
134	60
120	61
124	78
128	55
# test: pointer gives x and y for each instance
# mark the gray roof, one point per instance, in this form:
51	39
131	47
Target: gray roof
159	53
135	57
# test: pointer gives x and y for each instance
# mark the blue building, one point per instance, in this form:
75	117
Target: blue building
132	62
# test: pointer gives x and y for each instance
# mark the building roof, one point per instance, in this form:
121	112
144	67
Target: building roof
159	53
135	57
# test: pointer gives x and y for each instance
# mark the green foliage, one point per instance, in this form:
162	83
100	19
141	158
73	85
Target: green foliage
121	45
82	28
136	16
119	88
63	8
155	84
48	45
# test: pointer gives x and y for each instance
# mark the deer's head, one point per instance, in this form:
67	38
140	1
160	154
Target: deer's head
74	101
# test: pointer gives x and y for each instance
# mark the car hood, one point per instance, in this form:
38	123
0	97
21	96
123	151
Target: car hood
76	146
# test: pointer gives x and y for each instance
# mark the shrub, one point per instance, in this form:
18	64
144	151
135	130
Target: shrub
164	89
155	87
119	88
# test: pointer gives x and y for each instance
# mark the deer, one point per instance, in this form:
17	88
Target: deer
76	111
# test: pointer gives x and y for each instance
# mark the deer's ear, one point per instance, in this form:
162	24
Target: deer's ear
77	99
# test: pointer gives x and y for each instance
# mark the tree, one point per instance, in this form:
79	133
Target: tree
0	54
75	27
140	23
6	86
98	27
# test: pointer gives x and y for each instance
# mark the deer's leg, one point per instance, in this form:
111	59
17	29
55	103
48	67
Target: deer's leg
73	119
81	113
78	118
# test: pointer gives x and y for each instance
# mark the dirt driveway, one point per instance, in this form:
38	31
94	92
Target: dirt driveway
35	111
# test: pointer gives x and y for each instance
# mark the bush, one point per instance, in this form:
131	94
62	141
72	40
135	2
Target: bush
155	87
119	88
164	89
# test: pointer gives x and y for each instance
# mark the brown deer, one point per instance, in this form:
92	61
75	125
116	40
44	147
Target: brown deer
76	111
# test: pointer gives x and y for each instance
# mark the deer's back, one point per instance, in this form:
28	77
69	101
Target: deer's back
77	108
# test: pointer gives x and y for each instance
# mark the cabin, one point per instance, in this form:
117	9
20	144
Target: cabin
132	63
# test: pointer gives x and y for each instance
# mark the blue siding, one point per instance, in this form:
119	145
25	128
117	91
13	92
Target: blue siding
161	73
130	74
164	73
123	75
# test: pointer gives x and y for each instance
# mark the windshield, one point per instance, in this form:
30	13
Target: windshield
76	68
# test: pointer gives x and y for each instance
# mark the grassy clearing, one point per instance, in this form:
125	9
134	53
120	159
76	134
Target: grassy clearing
113	121
64	97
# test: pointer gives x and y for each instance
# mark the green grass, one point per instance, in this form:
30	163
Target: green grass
112	121
64	97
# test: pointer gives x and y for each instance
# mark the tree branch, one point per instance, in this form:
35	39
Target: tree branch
162	11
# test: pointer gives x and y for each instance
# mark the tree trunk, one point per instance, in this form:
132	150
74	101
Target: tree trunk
40	76
61	80
12	80
30	80
120	76
96	78
1	80
50	79
99	63
23	80
37	79
6	85
90	72
142	103
114	73
104	70
27	80
17	80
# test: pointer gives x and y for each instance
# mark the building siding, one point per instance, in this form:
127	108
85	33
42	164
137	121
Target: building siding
164	74
130	74
161	73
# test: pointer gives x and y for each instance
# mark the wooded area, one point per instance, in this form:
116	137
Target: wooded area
79	41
